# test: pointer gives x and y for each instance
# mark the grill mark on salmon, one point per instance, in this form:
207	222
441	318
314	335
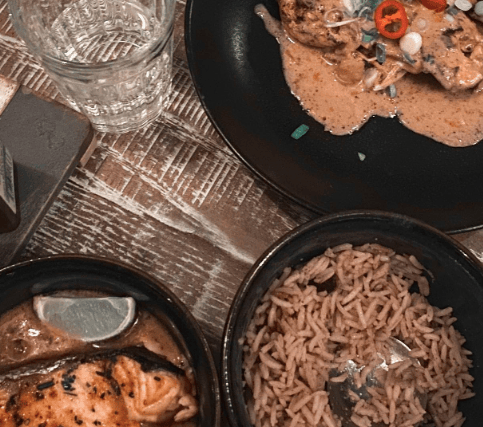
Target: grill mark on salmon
119	388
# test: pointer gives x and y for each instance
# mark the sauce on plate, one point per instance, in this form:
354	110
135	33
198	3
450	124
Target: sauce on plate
327	93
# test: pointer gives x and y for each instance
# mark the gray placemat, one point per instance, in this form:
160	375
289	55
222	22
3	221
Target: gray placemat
46	140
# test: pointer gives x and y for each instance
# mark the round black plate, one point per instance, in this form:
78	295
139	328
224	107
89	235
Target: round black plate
456	281
236	67
20	282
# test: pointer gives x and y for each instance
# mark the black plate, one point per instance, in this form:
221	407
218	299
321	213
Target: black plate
456	281
236	67
20	282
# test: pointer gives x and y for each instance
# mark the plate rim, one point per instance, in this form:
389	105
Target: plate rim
155	285
460	227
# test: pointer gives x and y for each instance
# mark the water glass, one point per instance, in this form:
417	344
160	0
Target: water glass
110	59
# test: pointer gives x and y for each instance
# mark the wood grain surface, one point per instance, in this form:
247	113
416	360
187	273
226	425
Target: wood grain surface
170	199
46	140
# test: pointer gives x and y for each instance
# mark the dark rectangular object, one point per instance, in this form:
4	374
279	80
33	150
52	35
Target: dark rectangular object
9	202
46	141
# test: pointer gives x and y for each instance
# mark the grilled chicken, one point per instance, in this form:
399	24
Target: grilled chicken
451	50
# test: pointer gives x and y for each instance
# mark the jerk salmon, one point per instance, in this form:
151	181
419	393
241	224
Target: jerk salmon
119	388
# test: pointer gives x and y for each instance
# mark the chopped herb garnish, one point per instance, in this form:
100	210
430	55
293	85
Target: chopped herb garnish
46	385
372	32
105	374
116	388
371	5
67	383
369	35
380	53
362	156
408	58
68	378
452	10
366	13
300	131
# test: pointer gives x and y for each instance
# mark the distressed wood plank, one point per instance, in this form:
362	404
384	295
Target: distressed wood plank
171	199
188	172
197	260
201	274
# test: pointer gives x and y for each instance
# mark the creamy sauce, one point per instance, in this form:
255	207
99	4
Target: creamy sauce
421	103
23	337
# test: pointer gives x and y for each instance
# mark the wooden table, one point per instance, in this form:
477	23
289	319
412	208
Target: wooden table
171	199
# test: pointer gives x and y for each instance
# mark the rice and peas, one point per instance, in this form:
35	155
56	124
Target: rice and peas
345	305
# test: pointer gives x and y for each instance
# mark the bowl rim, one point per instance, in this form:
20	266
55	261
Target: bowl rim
157	286
247	283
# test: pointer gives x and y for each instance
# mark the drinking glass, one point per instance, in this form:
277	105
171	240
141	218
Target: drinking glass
110	59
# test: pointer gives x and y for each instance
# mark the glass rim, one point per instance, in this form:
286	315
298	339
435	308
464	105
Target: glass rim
137	57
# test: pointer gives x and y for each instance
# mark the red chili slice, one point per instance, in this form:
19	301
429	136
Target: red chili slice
391	19
436	5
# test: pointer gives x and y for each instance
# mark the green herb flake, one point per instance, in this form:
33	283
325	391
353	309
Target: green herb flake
300	131
46	385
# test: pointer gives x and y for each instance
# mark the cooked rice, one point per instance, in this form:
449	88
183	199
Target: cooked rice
299	333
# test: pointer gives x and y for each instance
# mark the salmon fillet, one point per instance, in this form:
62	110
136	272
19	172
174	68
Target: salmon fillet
120	389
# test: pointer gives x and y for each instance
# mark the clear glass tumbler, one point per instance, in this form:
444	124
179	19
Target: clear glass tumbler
111	59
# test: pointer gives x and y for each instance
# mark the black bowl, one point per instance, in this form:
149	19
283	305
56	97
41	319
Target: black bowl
20	282
458	282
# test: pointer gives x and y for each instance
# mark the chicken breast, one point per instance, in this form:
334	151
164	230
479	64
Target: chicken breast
306	22
451	49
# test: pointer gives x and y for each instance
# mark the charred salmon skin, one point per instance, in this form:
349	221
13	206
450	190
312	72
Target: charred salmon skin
116	388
